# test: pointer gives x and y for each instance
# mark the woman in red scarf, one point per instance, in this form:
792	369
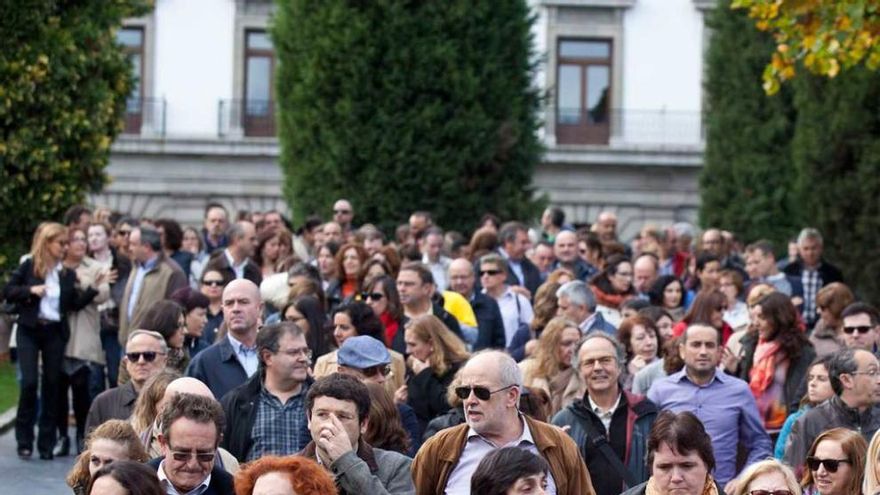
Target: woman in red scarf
380	294
776	358
613	286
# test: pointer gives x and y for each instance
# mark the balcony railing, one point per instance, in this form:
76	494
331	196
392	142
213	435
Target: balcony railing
145	116
249	118
628	127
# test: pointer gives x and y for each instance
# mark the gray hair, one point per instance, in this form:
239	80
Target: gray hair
578	293
236	231
156	335
843	361
151	237
509	230
684	229
508	371
620	352
809	233
494	259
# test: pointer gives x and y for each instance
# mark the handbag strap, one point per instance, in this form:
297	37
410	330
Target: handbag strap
599	442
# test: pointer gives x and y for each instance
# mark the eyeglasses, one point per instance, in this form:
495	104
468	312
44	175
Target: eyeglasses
212	283
372	296
492	273
374	370
770	492
602	361
866	373
202	457
149	356
831	465
481	393
861	329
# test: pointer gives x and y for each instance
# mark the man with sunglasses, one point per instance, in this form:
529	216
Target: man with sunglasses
368	360
490	326
861	327
489	386
191	426
855	378
145	356
266	415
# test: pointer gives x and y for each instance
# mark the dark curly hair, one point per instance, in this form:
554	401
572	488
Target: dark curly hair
364	321
777	308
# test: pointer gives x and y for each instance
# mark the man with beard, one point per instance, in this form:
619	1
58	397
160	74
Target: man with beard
489	386
723	403
266	415
611	426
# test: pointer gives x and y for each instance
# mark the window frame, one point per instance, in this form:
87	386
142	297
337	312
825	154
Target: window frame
584	132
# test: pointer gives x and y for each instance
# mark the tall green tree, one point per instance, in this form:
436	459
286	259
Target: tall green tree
748	182
837	153
63	86
401	105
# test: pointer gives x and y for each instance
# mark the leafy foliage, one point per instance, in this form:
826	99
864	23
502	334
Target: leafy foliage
825	35
400	105
748	181
63	86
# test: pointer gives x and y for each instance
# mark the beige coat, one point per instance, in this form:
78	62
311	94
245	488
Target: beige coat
85	324
328	364
159	283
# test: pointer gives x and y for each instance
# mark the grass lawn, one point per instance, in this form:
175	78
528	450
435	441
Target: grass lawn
8	386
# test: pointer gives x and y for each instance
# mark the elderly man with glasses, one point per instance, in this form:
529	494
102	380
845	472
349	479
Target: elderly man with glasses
266	415
489	387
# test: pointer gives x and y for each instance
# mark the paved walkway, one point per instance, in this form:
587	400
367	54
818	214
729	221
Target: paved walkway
32	476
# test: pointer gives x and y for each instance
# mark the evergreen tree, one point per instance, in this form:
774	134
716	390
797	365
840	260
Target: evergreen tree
748	182
63	86
400	105
837	151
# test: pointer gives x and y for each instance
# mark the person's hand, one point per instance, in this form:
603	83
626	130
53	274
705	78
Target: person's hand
401	395
729	360
103	276
417	365
112	276
519	289
333	441
38	290
635	364
730	487
531	346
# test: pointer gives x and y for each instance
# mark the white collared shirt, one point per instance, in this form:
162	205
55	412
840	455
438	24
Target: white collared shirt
246	356
585	325
50	303
515	309
477	447
239	268
169	487
604	416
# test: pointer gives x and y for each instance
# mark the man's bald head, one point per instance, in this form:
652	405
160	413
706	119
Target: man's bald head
461	276
188	385
242	308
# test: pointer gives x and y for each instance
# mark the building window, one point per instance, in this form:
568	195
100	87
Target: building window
583	99
132	41
258	109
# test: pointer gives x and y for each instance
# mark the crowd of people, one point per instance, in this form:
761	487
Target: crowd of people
247	357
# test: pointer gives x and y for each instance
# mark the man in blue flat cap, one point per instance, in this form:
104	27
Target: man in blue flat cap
368	360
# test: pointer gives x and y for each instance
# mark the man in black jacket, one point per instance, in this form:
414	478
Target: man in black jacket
514	239
236	259
489	322
812	270
191	426
266	415
416	287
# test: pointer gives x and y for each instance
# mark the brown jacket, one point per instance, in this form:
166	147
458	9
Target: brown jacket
159	283
438	457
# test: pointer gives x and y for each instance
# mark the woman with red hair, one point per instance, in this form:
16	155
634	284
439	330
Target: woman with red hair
284	475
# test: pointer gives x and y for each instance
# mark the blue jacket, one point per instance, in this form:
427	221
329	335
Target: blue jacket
218	368
599	323
640	416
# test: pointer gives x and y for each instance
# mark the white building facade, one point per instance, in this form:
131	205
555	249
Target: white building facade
622	126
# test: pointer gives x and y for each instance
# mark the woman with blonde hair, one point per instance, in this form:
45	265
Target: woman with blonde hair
545	308
146	409
871	485
114	440
435	355
768	477
550	368
43	292
835	464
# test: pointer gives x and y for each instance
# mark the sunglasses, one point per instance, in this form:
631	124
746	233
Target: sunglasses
831	465
374	370
149	356
861	329
481	393
770	492
212	283
203	457
372	296
489	272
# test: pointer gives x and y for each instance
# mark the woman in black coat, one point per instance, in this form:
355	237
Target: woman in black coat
43	292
